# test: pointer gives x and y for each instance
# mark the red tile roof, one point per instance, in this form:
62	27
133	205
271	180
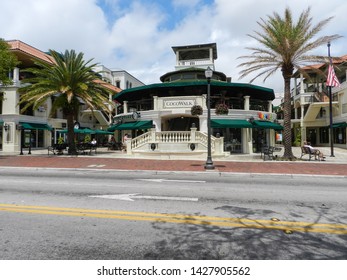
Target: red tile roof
17	45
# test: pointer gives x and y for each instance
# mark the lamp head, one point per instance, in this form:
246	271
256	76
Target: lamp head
208	73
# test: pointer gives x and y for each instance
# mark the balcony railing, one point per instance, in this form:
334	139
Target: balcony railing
193	62
180	139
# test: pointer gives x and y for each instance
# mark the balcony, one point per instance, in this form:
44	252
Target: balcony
199	63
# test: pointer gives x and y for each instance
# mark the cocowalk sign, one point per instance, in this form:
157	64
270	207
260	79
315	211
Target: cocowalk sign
179	103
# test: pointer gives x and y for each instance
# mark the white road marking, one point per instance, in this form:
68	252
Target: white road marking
96	165
167	180
132	196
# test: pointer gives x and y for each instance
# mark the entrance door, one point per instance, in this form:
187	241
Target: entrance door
181	123
312	136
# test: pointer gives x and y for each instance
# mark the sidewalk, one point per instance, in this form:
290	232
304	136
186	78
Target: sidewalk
116	160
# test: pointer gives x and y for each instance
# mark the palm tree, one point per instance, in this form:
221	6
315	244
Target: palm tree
7	62
68	79
285	46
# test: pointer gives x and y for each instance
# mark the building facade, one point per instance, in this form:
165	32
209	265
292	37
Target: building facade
311	106
171	117
36	128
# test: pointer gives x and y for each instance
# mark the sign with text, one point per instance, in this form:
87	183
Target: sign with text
180	103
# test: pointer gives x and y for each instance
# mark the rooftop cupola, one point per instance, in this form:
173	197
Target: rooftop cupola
199	56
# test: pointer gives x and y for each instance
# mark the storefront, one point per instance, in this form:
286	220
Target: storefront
168	106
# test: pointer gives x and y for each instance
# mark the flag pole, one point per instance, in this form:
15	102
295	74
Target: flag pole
331	112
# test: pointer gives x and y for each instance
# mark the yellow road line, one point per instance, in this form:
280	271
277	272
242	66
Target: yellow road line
179	218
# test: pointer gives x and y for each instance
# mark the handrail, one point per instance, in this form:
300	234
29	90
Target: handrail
172	137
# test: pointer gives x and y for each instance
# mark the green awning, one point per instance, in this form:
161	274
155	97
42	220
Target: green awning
1	122
338	125
131	126
81	131
34	126
100	131
267	125
112	128
227	123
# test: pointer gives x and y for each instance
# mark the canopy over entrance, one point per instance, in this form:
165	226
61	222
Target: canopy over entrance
338	125
34	126
227	123
267	125
131	126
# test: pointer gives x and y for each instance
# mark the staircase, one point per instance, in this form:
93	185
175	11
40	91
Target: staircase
186	143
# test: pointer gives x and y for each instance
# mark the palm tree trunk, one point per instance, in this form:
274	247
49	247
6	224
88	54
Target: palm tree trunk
287	129
71	134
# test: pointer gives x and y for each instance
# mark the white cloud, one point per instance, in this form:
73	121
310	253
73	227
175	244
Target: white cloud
134	35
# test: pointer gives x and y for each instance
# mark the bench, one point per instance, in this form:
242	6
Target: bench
57	149
86	148
307	151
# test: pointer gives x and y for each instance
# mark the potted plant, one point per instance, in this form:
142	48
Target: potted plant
196	110
60	146
221	109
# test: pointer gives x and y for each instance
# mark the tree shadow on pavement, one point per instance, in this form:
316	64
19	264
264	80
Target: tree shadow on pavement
207	242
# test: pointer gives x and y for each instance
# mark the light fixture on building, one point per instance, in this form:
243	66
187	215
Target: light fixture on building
209	162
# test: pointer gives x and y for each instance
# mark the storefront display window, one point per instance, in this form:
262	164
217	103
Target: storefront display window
340	135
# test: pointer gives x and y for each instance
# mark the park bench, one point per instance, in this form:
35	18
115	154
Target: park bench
86	148
307	151
57	149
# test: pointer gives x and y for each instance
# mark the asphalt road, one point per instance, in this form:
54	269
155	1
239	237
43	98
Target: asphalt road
94	214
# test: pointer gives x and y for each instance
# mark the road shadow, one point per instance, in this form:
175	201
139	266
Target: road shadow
207	242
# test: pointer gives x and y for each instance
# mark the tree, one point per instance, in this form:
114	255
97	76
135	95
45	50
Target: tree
7	62
285	46
68	79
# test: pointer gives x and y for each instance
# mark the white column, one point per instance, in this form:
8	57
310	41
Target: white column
155	103
303	129
192	134
302	89
16	75
295	85
125	107
270	106
246	102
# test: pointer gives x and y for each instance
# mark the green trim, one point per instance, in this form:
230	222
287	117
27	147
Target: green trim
131	126
338	125
230	123
100	131
267	125
80	131
214	83
34	126
112	128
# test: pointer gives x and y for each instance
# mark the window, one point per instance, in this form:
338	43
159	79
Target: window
340	135
324	135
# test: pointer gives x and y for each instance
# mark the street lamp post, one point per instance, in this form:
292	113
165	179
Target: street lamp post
209	162
331	113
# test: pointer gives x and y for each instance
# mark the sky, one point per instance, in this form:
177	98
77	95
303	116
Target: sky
137	35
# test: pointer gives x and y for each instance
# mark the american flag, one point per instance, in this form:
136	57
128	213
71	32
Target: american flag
332	80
